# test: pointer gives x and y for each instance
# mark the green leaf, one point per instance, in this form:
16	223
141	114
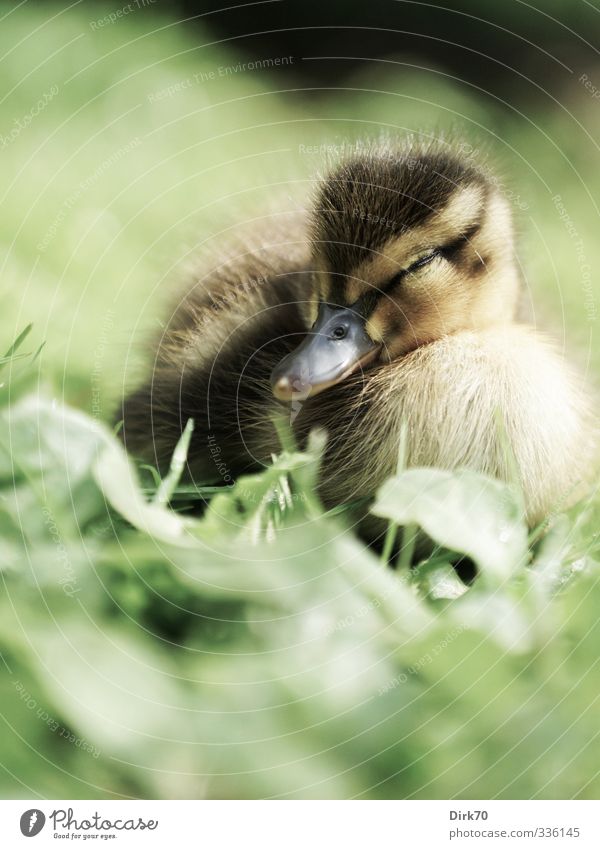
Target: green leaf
17	344
117	478
256	505
168	485
46	455
53	442
462	511
439	581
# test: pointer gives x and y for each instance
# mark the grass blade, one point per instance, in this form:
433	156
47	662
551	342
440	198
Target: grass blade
169	484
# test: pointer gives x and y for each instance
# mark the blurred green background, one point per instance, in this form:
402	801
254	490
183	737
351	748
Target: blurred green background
127	147
133	164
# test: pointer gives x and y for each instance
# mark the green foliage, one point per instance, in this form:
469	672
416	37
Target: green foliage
213	654
444	505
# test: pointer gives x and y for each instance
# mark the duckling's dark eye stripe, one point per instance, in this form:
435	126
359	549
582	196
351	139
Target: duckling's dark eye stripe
447	251
367	302
452	247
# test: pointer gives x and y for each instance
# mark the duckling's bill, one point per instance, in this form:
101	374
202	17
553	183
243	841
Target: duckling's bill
337	346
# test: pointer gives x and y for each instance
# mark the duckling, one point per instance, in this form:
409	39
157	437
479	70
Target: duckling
392	300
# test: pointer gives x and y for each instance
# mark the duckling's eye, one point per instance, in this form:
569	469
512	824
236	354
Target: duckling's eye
338	332
425	260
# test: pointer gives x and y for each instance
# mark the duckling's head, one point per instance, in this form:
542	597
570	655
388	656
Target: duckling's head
407	247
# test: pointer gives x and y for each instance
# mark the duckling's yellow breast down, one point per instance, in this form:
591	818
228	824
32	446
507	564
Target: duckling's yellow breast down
489	401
